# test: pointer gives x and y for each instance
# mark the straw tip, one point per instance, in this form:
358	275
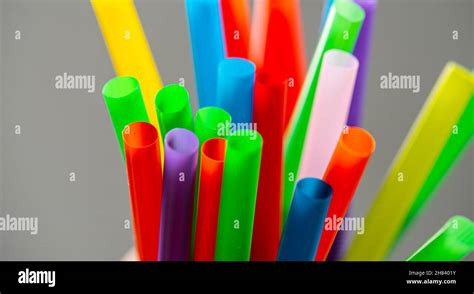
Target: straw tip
314	188
120	86
349	10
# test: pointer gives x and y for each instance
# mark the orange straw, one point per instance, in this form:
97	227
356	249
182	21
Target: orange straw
210	183
343	174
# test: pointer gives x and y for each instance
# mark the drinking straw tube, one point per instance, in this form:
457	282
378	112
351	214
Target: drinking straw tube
143	160
329	113
324	16
277	44
124	101
181	147
173	108
413	163
128	47
205	32
235	88
457	143
236	20
343	174
238	196
269	108
211	170
356	113
210	122
362	53
453	242
305	221
340	32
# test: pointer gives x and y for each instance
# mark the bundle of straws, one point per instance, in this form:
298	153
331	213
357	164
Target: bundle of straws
275	148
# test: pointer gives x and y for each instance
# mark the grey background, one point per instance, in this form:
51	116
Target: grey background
65	131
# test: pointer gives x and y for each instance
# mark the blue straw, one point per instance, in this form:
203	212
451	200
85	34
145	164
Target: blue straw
206	34
305	220
324	16
235	84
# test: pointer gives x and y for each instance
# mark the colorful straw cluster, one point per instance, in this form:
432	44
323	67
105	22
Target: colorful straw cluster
275	148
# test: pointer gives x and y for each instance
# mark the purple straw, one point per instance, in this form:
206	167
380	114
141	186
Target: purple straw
362	53
179	175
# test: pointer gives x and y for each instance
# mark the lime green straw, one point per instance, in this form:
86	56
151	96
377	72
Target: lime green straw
124	100
210	122
453	242
173	108
461	135
340	32
238	197
413	164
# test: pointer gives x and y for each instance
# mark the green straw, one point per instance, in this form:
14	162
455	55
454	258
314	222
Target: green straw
453	242
124	100
340	32
238	197
211	122
413	164
173	109
462	134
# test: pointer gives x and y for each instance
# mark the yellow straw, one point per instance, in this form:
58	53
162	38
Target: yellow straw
128	48
413	163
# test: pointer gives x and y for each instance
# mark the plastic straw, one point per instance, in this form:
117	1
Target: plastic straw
238	197
206	35
173	108
305	221
236	19
181	147
413	163
343	174
329	113
362	53
269	108
340	32
277	44
211	169
455	146
210	122
453	242
142	153
324	16
128	47
235	88
124	101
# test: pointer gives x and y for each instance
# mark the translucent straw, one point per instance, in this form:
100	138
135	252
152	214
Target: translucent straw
453	242
238	196
413	163
340	32
142	152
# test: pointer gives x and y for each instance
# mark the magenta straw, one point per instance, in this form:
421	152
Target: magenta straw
179	174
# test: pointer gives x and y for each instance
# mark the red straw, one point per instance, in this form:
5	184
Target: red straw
269	108
343	174
236	19
210	182
142	154
277	44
